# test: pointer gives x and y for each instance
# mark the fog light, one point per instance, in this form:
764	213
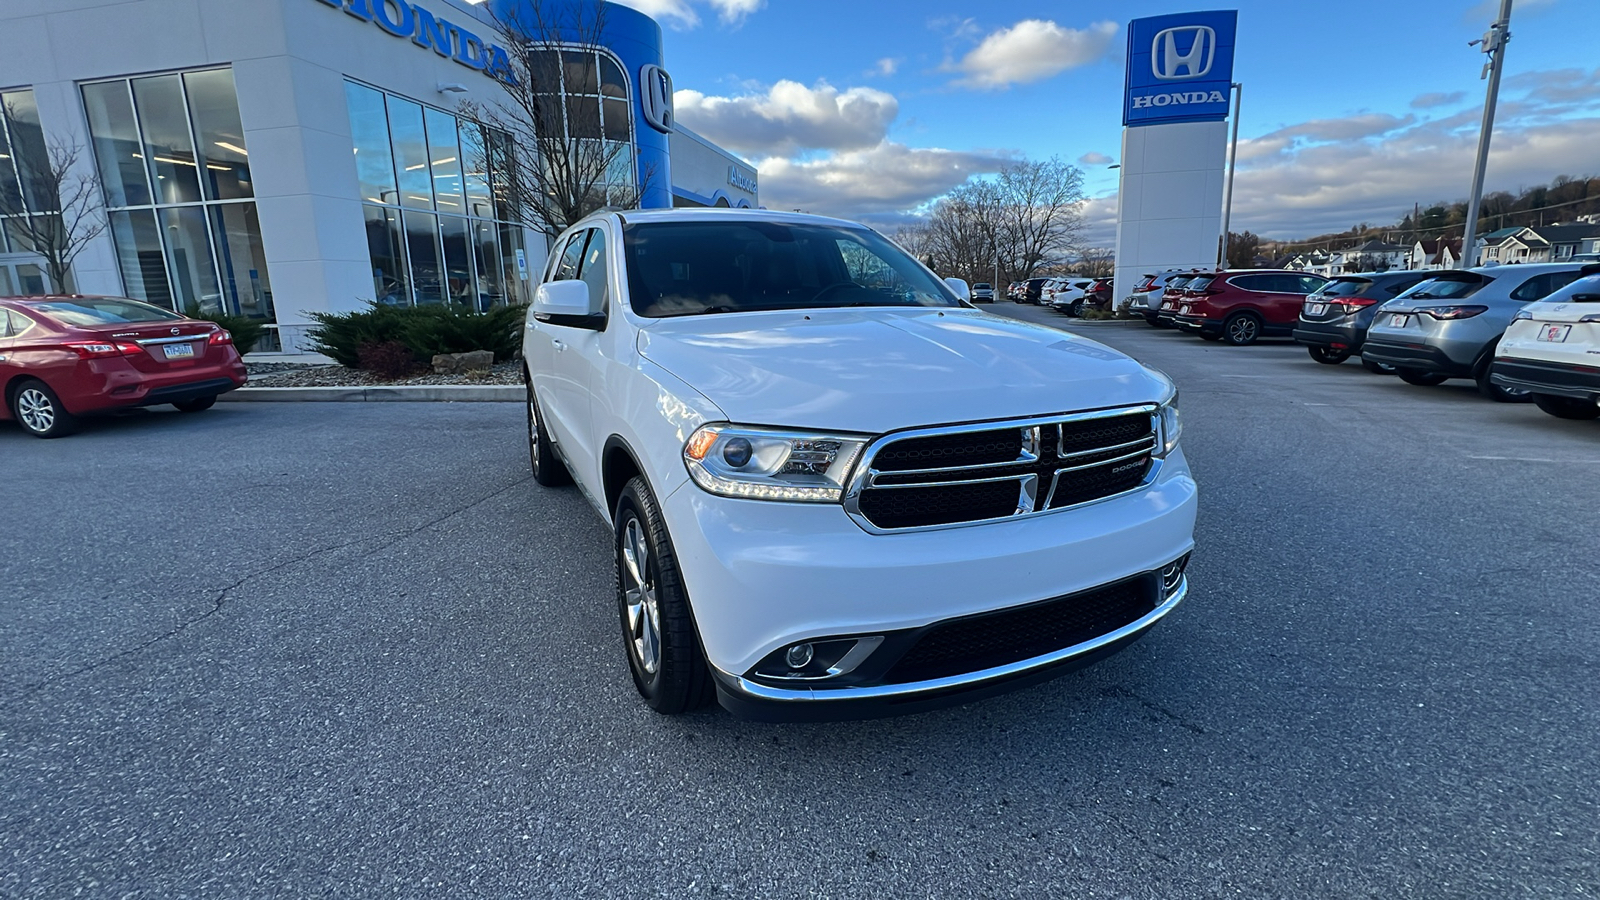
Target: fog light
1172	576
799	656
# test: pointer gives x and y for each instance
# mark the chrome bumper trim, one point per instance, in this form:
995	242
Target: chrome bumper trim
756	691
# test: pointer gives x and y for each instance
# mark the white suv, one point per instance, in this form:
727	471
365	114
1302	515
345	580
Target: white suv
1552	350
837	489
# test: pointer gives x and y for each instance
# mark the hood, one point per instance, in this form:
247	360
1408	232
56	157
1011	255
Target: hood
881	369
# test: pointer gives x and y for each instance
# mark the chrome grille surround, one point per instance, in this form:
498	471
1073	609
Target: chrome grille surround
1049	464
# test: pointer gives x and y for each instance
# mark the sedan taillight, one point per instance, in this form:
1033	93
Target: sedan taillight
104	349
219	337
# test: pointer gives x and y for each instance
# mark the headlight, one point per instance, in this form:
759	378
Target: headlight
1170	423
769	464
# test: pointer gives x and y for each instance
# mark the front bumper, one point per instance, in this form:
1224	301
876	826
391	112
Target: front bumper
1558	379
762	576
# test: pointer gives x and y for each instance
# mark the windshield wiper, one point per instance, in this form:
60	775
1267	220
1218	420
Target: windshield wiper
711	310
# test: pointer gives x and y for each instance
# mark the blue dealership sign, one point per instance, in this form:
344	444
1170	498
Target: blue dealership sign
1180	68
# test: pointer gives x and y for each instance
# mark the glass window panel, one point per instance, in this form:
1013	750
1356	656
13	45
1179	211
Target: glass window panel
475	159
612	82
214	112
245	287
444	152
115	136
144	268
369	132
547	114
194	271
422	246
510	243
501	174
456	236
619	169
31	280
28	150
7	289
10	189
390	278
579	70
491	283
594	269
617	120
545	71
18	234
410	154
583	117
168	148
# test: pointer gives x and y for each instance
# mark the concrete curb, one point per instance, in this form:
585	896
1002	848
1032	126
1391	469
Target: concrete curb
427	393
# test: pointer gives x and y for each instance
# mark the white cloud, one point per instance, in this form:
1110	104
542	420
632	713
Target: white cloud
681	14
1093	158
885	67
1432	100
1032	50
736	10
874	183
791	117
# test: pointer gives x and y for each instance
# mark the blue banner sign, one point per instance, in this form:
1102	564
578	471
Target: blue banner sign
1180	68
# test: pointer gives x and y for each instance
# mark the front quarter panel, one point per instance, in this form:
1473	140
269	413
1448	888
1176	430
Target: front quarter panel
653	412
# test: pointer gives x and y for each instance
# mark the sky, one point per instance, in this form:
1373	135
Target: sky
1353	109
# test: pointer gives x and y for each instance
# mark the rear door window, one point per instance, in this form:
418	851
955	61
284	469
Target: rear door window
1258	283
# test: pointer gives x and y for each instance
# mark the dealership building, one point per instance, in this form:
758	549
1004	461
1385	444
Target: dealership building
275	158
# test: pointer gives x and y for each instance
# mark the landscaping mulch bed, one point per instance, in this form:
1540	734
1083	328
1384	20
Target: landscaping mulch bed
299	375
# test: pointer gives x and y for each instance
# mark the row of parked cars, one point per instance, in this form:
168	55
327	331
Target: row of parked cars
1521	332
1071	294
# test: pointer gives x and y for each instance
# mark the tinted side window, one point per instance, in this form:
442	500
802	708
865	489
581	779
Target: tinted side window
1254	282
1532	289
594	269
571	258
1559	280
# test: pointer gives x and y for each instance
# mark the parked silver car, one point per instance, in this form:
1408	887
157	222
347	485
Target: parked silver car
1448	326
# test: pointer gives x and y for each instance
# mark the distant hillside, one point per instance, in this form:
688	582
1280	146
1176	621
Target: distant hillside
1565	199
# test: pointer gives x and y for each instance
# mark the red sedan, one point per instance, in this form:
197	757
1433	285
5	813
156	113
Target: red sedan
66	357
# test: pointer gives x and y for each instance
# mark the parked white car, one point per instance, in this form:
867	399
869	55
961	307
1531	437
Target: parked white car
834	488
1552	350
1061	292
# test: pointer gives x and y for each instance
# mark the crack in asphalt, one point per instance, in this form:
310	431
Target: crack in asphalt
1123	693
222	595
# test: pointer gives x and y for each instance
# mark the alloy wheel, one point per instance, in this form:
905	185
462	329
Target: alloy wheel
639	596
1242	330
533	428
35	410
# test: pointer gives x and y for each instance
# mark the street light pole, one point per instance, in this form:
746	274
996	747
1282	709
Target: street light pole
1233	159
1494	43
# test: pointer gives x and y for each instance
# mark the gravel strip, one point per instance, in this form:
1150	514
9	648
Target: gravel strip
295	375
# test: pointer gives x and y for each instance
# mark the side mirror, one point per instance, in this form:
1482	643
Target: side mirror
567	303
963	293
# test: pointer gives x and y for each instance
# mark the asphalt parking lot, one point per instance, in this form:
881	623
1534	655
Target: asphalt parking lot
352	650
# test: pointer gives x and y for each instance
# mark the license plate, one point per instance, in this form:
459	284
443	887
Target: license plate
1555	334
1184	311
1397	321
179	351
1316	309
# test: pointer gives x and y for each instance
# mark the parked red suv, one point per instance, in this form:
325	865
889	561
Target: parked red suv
64	357
1241	306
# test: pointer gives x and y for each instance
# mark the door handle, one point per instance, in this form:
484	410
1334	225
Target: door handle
559	345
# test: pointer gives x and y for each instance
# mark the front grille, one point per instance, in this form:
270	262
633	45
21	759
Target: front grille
980	642
948	478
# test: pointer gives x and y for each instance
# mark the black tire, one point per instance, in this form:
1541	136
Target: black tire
1076	309
198	404
1377	368
548	469
1152	321
1328	356
1209	335
1241	329
1421	378
658	632
1497	393
1567	407
39	411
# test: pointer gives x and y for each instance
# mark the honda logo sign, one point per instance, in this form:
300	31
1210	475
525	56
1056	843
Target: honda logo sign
1169	64
655	97
1180	68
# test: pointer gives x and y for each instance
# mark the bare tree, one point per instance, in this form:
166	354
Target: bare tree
1045	199
556	164
1097	262
1021	221
58	211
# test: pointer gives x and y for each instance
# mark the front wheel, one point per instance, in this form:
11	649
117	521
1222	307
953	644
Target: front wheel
199	404
39	411
1241	329
664	654
1328	356
1567	407
1421	378
548	470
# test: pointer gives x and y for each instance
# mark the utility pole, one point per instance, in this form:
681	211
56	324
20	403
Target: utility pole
1233	159
1494	43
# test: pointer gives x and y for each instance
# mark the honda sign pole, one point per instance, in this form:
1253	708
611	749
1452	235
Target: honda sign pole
1233	160
1494	43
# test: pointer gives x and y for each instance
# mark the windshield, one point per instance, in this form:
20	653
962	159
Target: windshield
1443	289
91	311
1180	283
690	268
1583	290
1344	287
1200	283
